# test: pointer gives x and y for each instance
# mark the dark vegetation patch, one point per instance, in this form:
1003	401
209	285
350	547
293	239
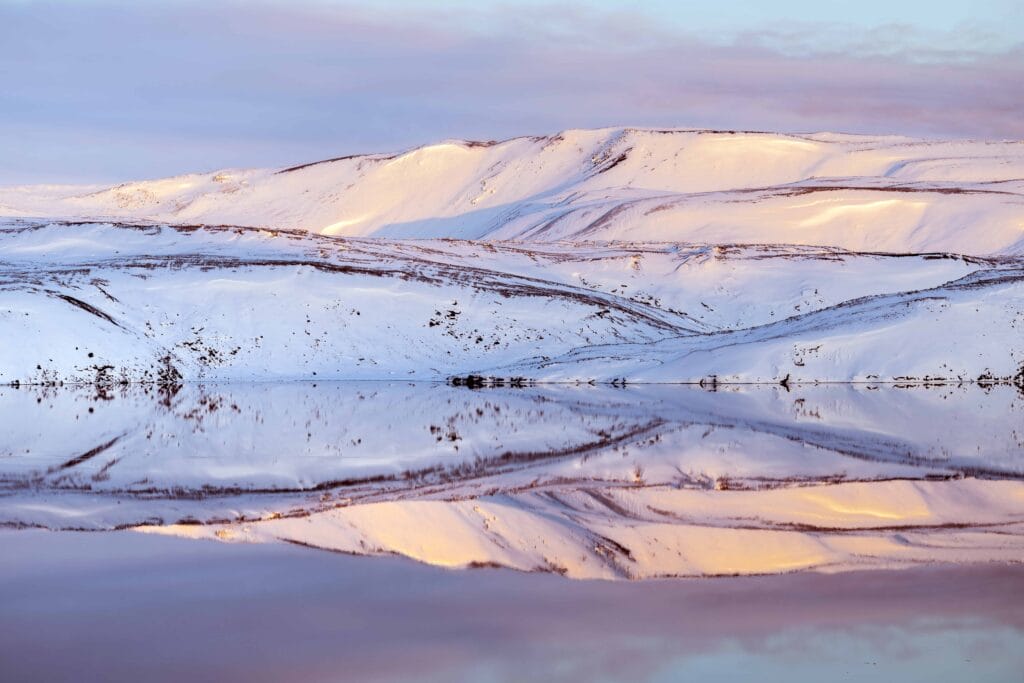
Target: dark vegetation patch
799	190
88	455
609	164
373	157
480	382
88	308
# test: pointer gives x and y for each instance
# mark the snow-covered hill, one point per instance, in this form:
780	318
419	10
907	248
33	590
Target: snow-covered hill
855	192
590	255
105	304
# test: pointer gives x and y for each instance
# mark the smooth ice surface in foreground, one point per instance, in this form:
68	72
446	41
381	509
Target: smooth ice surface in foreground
591	482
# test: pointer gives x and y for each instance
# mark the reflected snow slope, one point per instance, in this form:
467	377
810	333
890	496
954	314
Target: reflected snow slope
591	482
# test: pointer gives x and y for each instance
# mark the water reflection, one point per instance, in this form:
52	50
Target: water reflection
293	436
821	476
157	609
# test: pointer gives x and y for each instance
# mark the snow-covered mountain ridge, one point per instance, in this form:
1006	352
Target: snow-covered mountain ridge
863	193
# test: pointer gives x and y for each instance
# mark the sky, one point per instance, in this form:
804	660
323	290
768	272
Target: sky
112	90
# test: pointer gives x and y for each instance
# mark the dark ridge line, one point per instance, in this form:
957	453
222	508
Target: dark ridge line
502	283
88	455
387	156
313	546
979	279
763	483
527	247
371	157
843	531
499	464
802	527
800	190
89	308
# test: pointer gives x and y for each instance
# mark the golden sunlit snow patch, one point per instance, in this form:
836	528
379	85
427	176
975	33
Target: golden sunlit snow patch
673	532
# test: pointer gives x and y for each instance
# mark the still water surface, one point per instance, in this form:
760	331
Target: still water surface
82	602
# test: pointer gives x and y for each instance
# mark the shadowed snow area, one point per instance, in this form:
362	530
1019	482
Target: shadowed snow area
527	311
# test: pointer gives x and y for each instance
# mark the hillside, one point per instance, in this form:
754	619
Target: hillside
113	303
856	192
608	255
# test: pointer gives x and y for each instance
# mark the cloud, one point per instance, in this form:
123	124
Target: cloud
115	90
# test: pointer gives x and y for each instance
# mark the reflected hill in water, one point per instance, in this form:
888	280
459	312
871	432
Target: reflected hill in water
589	482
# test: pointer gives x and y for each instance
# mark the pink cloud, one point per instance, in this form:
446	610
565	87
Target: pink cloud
176	87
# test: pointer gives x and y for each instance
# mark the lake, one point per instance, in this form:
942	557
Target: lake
368	531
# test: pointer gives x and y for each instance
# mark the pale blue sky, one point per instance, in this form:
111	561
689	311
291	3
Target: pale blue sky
1002	19
113	89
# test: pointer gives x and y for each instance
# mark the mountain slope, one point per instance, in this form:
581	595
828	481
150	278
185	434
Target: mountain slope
855	192
655	255
970	329
104	304
108	304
